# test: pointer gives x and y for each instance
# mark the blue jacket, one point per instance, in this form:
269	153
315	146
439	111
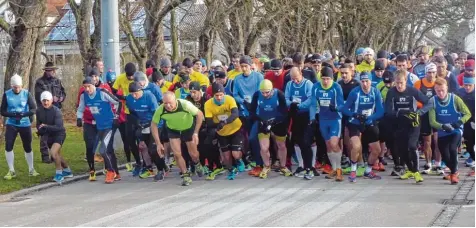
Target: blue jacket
244	87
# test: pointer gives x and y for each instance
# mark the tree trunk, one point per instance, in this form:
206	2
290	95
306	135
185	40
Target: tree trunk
28	29
174	37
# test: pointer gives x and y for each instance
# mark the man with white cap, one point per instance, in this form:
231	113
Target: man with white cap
18	106
49	123
368	64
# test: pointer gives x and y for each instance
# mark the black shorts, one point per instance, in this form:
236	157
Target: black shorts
233	142
52	139
345	122
279	129
426	128
369	135
185	136
164	138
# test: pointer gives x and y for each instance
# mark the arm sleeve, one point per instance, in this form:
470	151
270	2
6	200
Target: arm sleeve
348	104
420	97
378	107
340	97
210	122
4	107
287	94
389	108
453	85
31	106
282	103
58	125
81	106
236	93
313	106
107	96
234	114
463	109
432	117
306	104
254	106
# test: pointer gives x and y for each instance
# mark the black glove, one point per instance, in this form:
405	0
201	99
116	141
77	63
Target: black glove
42	131
332	107
414	118
79	122
457	124
211	135
115	123
293	107
220	125
447	128
361	118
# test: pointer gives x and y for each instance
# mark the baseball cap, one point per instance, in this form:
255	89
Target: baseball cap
431	67
468	80
194	86
364	76
246	60
387	77
216	63
382	54
469	64
88	80
379	65
219	74
46	95
368	51
16	80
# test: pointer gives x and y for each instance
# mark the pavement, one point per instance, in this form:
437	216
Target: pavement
246	201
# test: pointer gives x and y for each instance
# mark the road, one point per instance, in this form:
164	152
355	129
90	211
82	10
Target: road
246	201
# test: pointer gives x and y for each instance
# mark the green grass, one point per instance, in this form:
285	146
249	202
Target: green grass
73	151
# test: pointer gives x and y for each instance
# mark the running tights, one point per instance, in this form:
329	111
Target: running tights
406	141
448	146
106	138
469	138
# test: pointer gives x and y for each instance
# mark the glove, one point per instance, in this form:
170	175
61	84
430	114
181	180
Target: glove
414	118
42	131
447	128
403	112
293	107
211	134
115	123
332	107
220	125
457	124
79	122
361	118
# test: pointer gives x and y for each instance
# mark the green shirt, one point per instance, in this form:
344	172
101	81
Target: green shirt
180	119
460	107
383	90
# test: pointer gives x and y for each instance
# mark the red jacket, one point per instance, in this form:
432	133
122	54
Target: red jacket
87	116
460	79
278	81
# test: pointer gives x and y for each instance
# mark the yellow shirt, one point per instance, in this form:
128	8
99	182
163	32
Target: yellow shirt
165	87
222	112
233	73
195	77
364	66
122	83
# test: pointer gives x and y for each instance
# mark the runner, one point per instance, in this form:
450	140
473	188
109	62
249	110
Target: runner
183	124
327	99
448	115
400	109
368	63
142	105
220	77
184	81
386	136
423	56
402	64
467	94
158	78
268	107
221	113
49	123
235	60
19	107
364	108
105	108
377	72
442	72
143	81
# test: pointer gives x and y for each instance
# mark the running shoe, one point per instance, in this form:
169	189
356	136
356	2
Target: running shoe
255	171
231	174
199	169
376	167
129	167
372	175
408	174
454	178
326	169
206	170
241	165
219	171
117	177
315	172
276	165
352	177
211	175
136	172
422	156
98	158
33	173
159	176
443	165
331	175
394	173
381	167
248	167
299	172
318	165
252	164
10	175
382	160
426	169
110	176
360	171
437	171
308	174
264	172
471	173
469	162
285	171
92	175
67	174
186	179
465	155
146	173
58	178
339	176
418	178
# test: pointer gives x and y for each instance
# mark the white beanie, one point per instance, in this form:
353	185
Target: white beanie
46	95
430	67
216	63
16	80
368	51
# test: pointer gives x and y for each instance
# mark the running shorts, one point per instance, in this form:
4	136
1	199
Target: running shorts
233	142
370	134
330	128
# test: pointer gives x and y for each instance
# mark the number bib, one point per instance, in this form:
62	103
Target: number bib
222	117
296	99
325	103
146	130
94	110
367	112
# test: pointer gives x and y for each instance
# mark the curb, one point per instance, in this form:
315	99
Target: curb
44	186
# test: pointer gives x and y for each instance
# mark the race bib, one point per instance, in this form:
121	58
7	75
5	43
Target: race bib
325	103
223	117
296	100
247	99
429	93
472	125
146	130
94	110
367	112
94	122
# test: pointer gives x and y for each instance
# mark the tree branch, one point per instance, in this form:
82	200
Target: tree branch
4	25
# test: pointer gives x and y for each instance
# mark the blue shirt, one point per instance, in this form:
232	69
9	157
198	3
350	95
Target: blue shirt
368	104
155	90
300	93
244	87
144	107
323	98
18	103
375	80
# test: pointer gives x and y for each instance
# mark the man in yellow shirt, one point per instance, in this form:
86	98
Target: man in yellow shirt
194	69
158	78
368	64
221	113
235	60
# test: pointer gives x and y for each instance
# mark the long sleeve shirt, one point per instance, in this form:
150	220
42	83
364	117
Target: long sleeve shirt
52	118
368	104
323	98
244	87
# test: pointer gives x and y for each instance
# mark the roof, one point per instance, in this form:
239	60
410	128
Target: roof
54	7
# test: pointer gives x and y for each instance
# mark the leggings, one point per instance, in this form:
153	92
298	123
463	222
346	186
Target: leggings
152	148
406	146
299	129
131	137
90	139
468	135
106	139
11	135
127	149
448	146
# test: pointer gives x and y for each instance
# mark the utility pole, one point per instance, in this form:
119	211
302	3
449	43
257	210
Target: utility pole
110	35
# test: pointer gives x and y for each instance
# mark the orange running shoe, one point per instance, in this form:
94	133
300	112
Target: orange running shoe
331	175
110	175
327	169
255	171
376	167
381	167
98	158
339	176
454	178
471	173
118	177
318	165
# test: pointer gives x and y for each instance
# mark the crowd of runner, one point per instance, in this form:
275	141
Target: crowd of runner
301	116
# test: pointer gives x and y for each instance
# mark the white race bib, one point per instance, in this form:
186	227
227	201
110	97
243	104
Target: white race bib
367	112
94	122
325	103
296	100
146	130
223	117
94	110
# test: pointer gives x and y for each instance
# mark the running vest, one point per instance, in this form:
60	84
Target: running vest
18	103
268	107
409	81
298	93
427	91
447	114
101	110
364	104
325	97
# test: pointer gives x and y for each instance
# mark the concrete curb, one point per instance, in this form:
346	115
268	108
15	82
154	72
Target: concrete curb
41	187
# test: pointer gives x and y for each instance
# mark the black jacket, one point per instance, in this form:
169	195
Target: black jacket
53	85
52	118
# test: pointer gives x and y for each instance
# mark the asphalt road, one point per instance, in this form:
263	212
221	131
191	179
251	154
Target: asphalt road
246	201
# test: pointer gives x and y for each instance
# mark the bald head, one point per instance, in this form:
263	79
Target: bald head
169	100
296	74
